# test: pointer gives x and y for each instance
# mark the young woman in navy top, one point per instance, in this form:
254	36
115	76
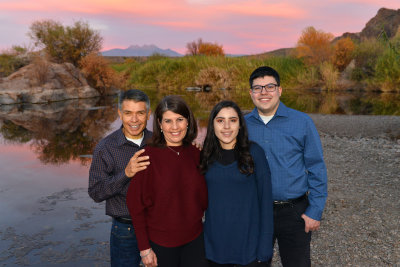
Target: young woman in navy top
238	222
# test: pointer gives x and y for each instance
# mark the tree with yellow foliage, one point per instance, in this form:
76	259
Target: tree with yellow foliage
314	46
343	53
204	48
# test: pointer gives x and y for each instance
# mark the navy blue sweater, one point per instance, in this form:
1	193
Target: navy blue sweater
238	224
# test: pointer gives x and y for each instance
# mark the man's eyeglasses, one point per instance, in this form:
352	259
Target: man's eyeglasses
257	89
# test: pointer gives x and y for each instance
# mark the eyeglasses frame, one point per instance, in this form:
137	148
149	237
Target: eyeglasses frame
265	87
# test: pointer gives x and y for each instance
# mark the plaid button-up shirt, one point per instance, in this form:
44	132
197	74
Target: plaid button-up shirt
107	179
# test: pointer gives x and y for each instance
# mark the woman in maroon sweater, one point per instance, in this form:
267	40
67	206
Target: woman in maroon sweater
167	200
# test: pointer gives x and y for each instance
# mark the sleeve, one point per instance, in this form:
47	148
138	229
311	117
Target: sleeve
137	202
104	182
317	174
264	190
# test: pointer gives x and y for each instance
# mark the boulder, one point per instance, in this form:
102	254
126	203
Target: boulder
43	82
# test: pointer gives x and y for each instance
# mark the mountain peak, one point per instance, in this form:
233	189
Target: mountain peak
141	51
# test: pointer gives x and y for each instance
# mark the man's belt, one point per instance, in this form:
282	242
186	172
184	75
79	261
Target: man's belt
123	220
290	201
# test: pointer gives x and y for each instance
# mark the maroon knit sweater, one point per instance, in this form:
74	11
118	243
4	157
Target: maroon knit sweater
167	200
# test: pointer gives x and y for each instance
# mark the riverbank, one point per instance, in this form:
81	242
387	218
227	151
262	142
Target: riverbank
360	225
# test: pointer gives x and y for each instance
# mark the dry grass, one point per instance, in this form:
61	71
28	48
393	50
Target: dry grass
309	78
40	70
217	81
100	75
330	75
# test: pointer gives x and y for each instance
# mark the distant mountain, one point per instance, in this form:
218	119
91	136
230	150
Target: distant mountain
140	51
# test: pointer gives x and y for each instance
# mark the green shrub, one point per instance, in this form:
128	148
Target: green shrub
65	44
12	60
365	55
387	71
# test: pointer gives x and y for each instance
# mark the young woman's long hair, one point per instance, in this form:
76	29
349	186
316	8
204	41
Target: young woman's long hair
177	105
212	149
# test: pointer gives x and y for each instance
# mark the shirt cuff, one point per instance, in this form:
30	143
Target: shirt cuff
313	213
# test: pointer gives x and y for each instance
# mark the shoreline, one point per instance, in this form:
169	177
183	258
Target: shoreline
360	224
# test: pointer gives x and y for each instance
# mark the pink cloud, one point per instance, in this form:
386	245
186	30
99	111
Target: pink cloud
259	8
245	26
380	3
180	24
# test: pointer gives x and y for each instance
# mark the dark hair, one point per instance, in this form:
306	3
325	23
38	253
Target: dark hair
262	72
135	95
212	148
177	105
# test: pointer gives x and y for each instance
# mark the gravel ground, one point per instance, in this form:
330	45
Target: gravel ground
361	221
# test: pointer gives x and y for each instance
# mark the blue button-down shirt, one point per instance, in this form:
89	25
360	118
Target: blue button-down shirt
107	179
293	148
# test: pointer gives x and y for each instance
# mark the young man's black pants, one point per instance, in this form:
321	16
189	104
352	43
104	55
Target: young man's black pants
289	231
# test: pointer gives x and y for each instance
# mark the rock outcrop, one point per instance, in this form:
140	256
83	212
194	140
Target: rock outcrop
45	82
386	19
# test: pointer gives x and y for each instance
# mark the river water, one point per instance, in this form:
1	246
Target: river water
47	218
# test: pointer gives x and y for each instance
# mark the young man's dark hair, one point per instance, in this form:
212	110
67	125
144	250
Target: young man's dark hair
262	72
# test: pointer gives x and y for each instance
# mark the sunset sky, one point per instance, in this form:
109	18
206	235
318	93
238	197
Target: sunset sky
241	26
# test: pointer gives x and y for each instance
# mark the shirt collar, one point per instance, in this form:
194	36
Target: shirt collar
121	139
282	111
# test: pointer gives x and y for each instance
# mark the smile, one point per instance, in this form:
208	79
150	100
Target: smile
226	134
175	133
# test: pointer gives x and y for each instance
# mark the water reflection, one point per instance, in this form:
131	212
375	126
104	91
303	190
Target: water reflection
343	102
69	130
61	131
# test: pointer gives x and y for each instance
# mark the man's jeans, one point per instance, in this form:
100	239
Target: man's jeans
123	246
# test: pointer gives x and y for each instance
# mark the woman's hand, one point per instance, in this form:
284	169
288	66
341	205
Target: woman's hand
149	258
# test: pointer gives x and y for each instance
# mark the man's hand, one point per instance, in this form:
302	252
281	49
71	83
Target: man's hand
311	224
136	164
149	258
198	145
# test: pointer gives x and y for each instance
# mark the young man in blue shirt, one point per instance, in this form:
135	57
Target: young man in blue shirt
299	181
116	160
